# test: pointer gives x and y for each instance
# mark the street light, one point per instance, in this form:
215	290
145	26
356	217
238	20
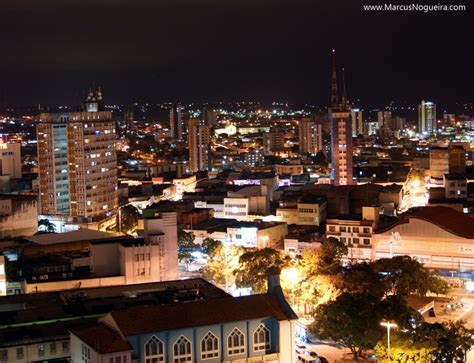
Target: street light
291	275
389	326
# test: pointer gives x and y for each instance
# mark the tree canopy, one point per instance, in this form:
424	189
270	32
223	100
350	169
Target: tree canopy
253	266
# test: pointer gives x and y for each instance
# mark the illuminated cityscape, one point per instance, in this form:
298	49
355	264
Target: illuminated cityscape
189	182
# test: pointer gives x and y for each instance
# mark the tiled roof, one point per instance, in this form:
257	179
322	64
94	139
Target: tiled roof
445	218
101	338
148	319
448	219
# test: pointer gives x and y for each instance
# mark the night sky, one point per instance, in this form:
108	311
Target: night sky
198	50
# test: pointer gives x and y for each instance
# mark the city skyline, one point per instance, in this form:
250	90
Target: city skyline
231	51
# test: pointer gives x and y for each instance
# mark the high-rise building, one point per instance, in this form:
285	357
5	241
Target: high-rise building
176	123
357	122
310	136
128	118
341	135
426	117
199	146
209	116
384	119
78	167
398	123
273	140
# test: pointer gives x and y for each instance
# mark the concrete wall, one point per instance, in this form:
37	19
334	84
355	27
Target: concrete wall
23	219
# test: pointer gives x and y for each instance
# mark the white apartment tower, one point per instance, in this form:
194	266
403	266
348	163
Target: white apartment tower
78	167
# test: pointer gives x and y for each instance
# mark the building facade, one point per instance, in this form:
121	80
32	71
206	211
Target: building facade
310	136
78	167
255	328
199	146
176	123
426	117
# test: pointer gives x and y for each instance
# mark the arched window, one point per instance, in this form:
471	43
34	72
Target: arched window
154	351
209	346
235	342
182	351
261	338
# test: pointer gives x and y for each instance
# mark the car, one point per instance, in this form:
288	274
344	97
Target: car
300	348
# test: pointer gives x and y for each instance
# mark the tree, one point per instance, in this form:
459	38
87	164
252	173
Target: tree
253	266
403	275
400	275
353	320
447	342
186	246
129	218
46	225
331	254
209	246
221	264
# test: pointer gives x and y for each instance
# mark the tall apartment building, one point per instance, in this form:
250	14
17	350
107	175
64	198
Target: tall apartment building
341	135
199	146
273	140
310	136
78	167
426	117
357	122
176	123
209	116
384	119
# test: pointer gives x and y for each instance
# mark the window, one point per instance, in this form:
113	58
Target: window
86	354
52	348
235	342
261	339
40	350
19	353
182	351
366	230
366	241
209	346
65	347
3	355
355	240
154	351
343	229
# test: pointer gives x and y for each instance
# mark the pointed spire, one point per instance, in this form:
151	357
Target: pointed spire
344	96
334	95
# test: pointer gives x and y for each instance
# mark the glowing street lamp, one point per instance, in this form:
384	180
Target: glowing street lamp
389	326
292	275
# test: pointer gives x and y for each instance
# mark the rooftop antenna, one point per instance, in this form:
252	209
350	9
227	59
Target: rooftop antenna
334	96
344	96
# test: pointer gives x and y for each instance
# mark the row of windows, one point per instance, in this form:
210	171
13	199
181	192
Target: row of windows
182	349
349	229
355	240
41	350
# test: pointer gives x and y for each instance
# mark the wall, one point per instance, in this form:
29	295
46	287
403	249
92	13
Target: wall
23	220
105	259
29	288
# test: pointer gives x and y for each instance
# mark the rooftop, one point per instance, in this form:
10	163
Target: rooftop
101	338
73	236
147	319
